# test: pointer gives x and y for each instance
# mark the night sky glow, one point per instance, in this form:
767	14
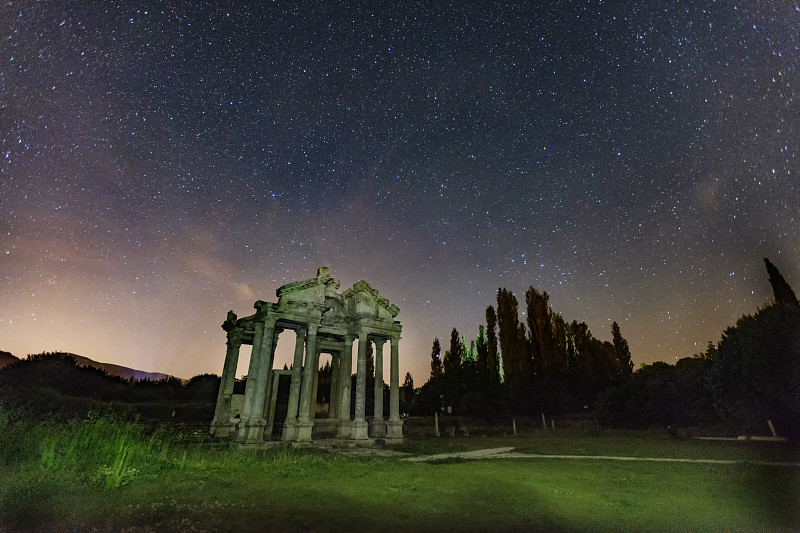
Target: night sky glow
162	165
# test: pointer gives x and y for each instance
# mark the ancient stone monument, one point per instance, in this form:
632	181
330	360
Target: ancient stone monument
325	322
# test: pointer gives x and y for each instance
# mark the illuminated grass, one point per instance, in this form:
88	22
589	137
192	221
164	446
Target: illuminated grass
47	484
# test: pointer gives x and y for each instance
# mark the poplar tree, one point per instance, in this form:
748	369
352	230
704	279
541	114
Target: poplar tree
540	328
492	359
454	356
481	351
622	351
436	360
513	344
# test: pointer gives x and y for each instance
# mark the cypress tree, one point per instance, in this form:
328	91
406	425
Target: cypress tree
436	360
622	351
492	359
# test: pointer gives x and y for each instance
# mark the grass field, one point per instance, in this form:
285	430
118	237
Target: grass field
109	475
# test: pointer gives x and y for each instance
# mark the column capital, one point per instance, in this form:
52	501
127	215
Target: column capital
234	339
312	329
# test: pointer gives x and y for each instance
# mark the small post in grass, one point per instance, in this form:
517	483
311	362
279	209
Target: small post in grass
514	426
772	428
544	422
436	424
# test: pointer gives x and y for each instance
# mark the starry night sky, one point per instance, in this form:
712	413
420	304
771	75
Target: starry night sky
160	166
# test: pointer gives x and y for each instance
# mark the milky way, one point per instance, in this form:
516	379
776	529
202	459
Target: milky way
160	166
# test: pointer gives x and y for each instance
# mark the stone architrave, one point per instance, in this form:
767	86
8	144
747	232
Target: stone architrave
323	319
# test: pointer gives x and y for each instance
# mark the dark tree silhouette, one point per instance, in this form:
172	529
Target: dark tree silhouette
622	351
436	359
482	352
784	295
757	372
513	344
492	359
540	332
454	356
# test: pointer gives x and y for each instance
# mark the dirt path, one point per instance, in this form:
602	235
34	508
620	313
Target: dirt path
507	453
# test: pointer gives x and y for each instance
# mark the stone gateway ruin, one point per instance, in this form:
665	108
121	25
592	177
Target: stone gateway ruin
282	404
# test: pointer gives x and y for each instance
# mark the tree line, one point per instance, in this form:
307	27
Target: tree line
53	385
743	383
542	364
546	364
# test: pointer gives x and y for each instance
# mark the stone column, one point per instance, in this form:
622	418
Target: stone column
251	426
273	399
360	428
250	385
315	389
221	425
394	428
270	363
345	372
378	425
333	401
304	421
290	424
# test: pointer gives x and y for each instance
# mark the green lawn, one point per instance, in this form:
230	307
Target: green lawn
111	476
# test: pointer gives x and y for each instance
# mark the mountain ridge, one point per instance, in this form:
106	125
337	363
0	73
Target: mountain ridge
7	358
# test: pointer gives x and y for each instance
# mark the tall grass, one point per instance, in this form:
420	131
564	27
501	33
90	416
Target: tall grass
42	460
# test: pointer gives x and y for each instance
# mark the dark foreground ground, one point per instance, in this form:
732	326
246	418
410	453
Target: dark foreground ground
107	475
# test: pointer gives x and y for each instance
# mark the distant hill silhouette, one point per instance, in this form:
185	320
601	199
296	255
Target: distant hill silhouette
6	359
114	370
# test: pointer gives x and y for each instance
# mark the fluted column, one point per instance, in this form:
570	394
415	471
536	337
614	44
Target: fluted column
304	421
394	428
345	383
250	385
360	428
333	401
251	426
378	425
270	363
290	425
221	425
315	389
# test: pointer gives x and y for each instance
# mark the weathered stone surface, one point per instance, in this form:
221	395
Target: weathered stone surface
325	321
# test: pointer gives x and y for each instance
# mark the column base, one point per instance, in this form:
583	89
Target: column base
360	430
304	428
344	430
251	431
377	428
221	428
290	431
394	431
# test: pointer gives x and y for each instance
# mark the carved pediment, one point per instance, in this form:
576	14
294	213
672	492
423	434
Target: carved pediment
316	301
312	290
365	301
